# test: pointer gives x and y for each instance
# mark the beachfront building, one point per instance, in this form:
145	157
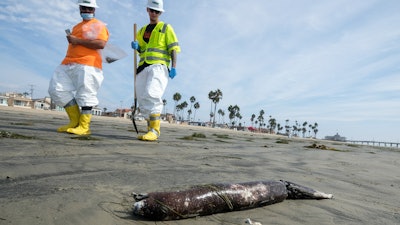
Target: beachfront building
13	99
18	100
21	100
3	100
42	103
335	137
96	111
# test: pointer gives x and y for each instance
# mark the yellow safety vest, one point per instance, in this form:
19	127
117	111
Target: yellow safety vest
162	41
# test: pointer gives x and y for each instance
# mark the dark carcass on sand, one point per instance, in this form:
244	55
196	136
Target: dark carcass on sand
216	198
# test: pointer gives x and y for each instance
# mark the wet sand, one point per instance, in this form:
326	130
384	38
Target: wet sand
56	178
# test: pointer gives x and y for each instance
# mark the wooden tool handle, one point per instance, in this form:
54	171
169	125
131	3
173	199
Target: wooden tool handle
134	57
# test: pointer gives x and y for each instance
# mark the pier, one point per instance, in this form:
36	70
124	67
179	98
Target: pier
376	143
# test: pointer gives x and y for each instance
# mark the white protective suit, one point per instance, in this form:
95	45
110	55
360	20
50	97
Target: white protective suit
75	81
151	83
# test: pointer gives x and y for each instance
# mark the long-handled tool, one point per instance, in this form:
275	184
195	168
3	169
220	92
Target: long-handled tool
134	79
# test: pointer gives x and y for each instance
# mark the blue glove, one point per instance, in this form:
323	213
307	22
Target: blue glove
172	73
135	45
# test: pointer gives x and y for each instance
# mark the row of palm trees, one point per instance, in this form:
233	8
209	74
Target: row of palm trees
270	126
179	109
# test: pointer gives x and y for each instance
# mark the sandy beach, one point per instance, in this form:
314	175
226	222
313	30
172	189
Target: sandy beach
57	178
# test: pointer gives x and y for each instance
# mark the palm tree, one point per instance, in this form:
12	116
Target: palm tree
220	112
164	102
279	128
178	109
177	97
304	129
189	113
240	117
215	96
184	106
315	130
234	111
272	124
295	130
196	106
253	116
260	119
192	100
287	127
232	119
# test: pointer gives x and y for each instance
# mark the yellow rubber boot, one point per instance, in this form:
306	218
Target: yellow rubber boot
73	114
154	132
148	129
83	128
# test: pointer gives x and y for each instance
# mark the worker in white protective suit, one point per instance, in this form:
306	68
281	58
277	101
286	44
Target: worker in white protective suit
157	46
75	82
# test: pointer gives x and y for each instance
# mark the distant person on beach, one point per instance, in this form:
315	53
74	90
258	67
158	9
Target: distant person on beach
157	46
76	81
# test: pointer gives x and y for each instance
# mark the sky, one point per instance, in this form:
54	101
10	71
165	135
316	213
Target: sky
330	62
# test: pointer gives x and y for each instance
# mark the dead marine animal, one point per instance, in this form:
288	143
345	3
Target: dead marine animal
217	198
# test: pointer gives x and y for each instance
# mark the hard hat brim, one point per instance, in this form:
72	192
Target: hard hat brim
88	5
157	9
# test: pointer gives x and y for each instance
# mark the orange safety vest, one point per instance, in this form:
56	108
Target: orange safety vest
90	30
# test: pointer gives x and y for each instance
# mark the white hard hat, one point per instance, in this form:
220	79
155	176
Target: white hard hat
88	3
156	5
